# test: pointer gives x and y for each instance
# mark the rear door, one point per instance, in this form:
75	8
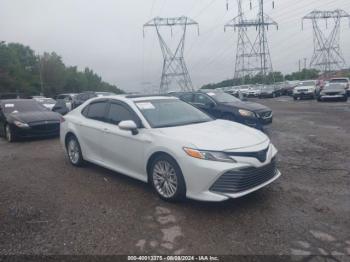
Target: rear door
92	128
122	150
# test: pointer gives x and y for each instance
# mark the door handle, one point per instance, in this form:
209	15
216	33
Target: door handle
106	130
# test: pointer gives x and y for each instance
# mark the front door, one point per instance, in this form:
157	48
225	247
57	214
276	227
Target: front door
122	150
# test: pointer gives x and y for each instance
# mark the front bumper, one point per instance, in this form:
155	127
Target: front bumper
304	94
37	131
262	119
202	175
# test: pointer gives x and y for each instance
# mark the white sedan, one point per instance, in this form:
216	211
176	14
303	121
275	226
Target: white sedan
178	149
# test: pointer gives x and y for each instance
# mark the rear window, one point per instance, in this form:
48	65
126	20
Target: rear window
97	111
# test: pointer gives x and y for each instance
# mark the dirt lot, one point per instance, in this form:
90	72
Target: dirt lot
49	207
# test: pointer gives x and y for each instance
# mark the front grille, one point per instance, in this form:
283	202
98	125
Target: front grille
332	93
45	127
236	181
266	114
302	90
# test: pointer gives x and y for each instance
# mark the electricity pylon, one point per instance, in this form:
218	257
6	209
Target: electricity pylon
327	56
252	58
174	67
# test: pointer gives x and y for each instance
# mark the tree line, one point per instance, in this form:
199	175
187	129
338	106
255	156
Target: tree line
24	72
271	78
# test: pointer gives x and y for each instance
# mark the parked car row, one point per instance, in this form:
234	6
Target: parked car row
335	88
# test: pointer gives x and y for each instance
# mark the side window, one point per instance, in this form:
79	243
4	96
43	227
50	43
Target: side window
85	111
118	113
97	111
187	98
202	99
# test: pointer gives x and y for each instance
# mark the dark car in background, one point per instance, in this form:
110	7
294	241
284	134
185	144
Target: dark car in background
270	92
221	105
22	118
67	98
81	98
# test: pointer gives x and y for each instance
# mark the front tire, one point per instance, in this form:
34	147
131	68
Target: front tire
74	153
9	134
167	179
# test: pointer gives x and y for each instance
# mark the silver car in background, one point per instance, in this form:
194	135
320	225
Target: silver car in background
333	91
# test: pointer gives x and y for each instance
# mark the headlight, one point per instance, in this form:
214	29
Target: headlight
246	113
209	155
20	124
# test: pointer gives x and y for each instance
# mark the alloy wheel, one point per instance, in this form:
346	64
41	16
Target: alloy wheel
164	179
73	151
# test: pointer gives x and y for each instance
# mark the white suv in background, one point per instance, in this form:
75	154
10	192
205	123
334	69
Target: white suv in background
305	89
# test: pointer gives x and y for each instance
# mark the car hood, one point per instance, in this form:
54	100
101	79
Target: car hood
303	87
251	106
29	117
217	135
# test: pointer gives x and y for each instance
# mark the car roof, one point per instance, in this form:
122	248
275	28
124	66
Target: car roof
135	98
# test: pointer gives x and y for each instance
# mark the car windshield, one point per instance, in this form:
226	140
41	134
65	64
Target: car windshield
46	100
222	97
340	80
100	94
170	112
22	106
268	88
307	83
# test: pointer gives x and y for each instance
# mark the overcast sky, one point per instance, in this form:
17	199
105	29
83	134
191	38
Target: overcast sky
106	35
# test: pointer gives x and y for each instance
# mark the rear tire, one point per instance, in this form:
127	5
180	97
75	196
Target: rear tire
9	135
74	153
166	177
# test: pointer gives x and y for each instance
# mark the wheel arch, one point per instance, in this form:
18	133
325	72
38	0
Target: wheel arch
153	156
68	135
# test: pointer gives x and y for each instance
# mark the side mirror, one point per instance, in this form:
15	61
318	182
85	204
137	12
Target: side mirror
129	125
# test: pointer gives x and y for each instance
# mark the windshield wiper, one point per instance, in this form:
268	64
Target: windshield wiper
182	124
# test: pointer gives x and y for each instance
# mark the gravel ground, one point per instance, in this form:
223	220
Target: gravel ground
48	206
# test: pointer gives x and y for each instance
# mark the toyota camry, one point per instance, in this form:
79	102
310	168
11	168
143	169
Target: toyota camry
178	149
